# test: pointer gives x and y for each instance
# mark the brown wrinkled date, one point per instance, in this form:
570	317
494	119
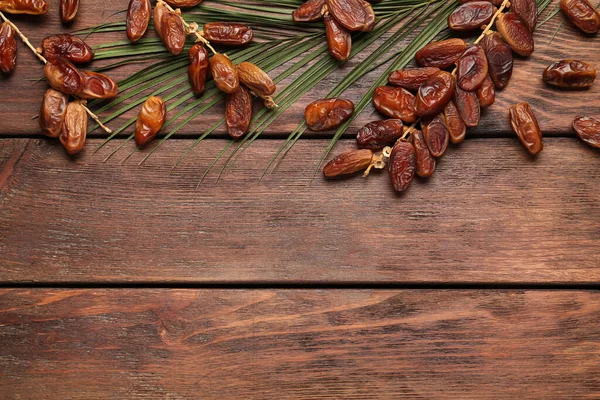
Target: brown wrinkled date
471	68
403	165
8	48
228	33
354	15
238	112
138	19
183	3
255	79
323	115
224	73
198	68
486	93
33	7
434	94
442	54
500	59
52	113
436	135
68	10
97	86
582	14
63	76
348	163
425	161
378	134
395	102
339	40
457	130
525	125
67	46
471	16
310	11
570	74
516	33
411	78
588	130
169	27
150	120
494	2
468	106
74	128
527	11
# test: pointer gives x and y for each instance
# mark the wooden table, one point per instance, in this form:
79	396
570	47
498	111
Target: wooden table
126	281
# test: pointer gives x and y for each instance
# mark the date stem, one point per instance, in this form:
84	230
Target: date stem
505	4
191	28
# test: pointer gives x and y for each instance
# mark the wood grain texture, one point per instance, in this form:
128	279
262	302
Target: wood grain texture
555	109
266	344
490	213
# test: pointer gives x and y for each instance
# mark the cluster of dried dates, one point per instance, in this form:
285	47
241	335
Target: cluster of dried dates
341	17
68	8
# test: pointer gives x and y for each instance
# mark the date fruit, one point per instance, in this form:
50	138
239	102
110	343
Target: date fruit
68	10
224	73
354	15
33	7
339	40
471	16
8	48
455	124
500	59
138	19
471	68
411	78
323	115
52	113
255	79
525	125
468	106
228	33
63	76
434	94
198	68
570	74
183	3
74	128
238	112
378	134
588	130
442	54
582	14
516	33
395	102
486	93
310	11
425	161
150	120
97	86
494	2
169	27
436	135
67	46
403	165
348	163
527	11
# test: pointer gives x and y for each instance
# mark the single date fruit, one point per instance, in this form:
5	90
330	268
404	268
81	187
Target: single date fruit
354	15
67	46
378	134
516	33
471	68
150	120
198	68
425	161
434	94
348	163
471	16
436	135
500	59
339	40
138	19
525	125
97	86
588	130
74	128
224	73
238	112
468	106
403	165
457	130
395	102
255	79
527	11
169	27
486	93
228	33
183	3
411	78
310	11
63	76
570	74
8	48
323	115
68	10
442	54
52	113
582	14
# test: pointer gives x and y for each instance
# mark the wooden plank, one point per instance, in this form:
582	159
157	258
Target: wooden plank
556	109
280	344
490	213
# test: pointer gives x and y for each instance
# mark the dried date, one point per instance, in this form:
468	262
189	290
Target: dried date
425	161
434	94
354	15
52	113
395	102
169	27
68	47
411	78
471	16
255	79
309	11
403	165
500	59
442	54
582	14
33	7
378	134
588	130
198	68
486	93
457	130
527	11
323	115
348	163
8	48
516	33
228	33
183	3
494	2
471	68
74	128
525	125
97	86
436	135
224	73
138	19
339	40
468	106
150	120
570	74
238	112
68	10
63	76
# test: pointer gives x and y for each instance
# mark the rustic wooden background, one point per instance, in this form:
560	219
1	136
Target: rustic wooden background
127	281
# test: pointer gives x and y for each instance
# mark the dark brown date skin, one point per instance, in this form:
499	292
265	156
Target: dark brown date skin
67	46
471	16
348	163
150	120
68	10
468	106
378	134
323	115
183	3
455	124
494	2
310	11
411	78
169	27
256	79
52	113
527	11
228	33
570	74
471	68
442	54
238	112
354	15
425	161
8	48
395	102
486	93
63	76
588	130
74	128
582	14
516	33
33	7
198	68
436	135
339	40
500	59
138	19
434	94
97	86
525	125
403	165
224	73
